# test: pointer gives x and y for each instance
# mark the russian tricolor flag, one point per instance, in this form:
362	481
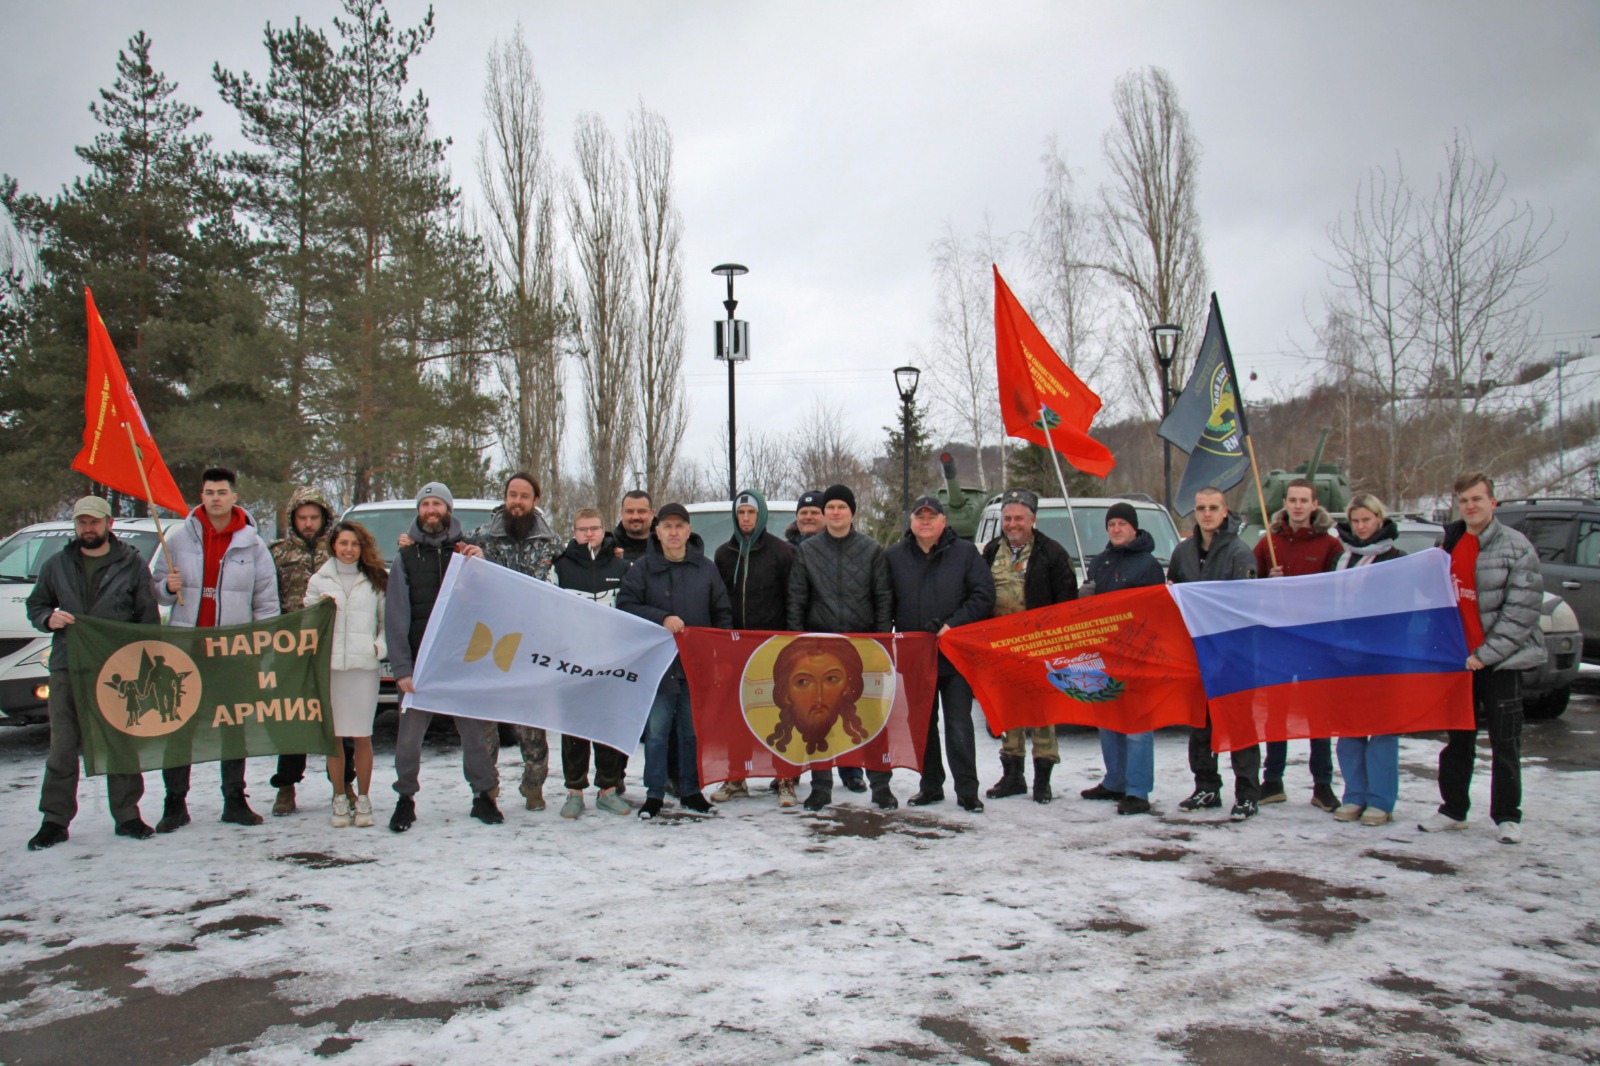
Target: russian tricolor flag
1367	651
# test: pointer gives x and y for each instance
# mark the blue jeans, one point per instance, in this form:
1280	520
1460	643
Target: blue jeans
670	716
1321	761
1130	762
1371	769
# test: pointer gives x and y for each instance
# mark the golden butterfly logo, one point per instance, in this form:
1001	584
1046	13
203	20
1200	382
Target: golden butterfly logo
505	649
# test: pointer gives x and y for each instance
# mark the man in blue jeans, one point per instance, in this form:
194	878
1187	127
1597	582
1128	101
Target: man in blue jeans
674	585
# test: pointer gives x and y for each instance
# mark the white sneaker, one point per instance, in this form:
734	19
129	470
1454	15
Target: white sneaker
363	811
1348	812
1510	832
341	812
731	790
1441	823
1374	816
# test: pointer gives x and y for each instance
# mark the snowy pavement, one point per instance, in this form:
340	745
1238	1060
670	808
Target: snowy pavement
1027	934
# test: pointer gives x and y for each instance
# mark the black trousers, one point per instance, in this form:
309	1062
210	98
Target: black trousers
955	706
609	764
292	768
1203	764
1497	707
177	778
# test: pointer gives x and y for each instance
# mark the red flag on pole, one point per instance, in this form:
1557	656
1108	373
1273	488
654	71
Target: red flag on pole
116	439
1036	389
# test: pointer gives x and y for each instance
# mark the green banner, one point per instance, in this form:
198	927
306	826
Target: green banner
152	697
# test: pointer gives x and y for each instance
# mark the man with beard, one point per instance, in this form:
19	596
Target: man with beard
591	567
296	557
414	579
940	582
754	566
95	576
1034	571
519	537
633	531
839	583
807	518
225	572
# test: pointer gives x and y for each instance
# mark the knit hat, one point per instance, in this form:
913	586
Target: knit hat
841	493
1124	511
1030	500
437	490
672	510
810	498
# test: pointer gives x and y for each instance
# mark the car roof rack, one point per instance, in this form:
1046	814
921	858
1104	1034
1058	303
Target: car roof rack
1550	499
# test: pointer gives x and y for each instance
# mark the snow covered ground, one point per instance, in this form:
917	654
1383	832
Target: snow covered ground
1027	934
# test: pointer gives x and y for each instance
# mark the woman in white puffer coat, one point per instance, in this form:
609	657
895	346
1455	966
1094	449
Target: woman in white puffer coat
355	580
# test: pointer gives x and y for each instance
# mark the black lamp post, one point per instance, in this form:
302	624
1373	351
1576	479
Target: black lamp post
1165	338
733	346
905	381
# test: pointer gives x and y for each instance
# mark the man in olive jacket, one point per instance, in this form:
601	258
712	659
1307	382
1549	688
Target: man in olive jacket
940	582
94	576
839	583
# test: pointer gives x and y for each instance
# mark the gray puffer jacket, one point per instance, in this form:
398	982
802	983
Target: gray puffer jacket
1228	559
1510	596
247	584
531	555
840	585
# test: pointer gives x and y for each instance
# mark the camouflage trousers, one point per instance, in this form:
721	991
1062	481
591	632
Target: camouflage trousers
1044	743
535	757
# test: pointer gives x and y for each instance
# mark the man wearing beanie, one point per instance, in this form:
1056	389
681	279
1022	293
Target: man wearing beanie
1128	562
839	583
414	579
1029	570
807	518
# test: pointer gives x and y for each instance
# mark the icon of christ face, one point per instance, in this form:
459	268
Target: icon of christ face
817	681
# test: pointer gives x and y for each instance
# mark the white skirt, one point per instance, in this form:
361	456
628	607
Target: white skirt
355	701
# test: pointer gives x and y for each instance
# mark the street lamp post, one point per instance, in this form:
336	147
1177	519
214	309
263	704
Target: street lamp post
1561	361
1165	339
905	382
733	346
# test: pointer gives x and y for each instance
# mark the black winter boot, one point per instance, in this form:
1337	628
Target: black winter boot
1041	780
1012	781
174	813
236	809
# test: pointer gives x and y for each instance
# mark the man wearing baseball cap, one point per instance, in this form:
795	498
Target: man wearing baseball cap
94	576
1029	570
940	582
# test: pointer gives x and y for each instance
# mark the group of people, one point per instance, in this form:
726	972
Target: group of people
822	576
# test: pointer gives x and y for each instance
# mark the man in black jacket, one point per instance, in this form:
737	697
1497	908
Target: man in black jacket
414	579
633	529
939	583
675	586
755	566
96	576
591	568
839	583
807	518
1034	571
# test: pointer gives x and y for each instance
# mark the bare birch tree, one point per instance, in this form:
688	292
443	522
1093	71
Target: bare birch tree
1154	250
1065	250
662	411
602	304
963	386
518	186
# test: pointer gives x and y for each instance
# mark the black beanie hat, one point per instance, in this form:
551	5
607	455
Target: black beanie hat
811	498
1124	511
841	493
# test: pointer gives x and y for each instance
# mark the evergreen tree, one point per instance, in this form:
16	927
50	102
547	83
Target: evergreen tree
885	520
1030	467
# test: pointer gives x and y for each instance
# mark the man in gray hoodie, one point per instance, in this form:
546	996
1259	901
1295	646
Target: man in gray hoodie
414	580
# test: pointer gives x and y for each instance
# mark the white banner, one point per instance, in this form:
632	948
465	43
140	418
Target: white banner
506	647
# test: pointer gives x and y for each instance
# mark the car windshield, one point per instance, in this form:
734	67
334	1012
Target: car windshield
1412	541
1091	523
716	527
24	555
387	523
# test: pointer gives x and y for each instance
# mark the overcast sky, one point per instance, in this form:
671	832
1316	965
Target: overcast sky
827	144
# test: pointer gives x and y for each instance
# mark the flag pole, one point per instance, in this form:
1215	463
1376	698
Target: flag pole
1072	520
1266	519
155	508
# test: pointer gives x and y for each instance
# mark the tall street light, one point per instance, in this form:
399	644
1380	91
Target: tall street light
1165	339
733	346
1561	360
905	382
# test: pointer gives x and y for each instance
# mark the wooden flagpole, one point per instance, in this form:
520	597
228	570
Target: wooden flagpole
155	509
1272	553
1072	519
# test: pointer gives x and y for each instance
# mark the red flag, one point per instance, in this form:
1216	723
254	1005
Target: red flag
108	455
772	704
1121	661
1037	389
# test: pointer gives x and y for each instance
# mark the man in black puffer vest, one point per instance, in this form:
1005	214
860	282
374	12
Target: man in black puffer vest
414	581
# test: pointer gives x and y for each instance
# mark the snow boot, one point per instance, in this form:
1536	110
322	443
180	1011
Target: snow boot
236	809
174	813
284	804
1041	780
1012	782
